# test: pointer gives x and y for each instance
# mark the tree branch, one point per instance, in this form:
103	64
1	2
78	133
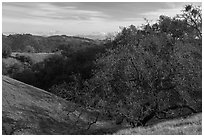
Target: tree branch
154	113
93	122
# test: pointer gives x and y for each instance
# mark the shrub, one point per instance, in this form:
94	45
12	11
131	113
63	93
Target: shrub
24	59
4	69
6	50
26	76
15	68
29	49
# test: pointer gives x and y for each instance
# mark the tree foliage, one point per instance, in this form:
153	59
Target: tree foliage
29	49
150	70
6	50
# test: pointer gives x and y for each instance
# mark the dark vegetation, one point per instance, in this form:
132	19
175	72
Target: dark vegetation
146	73
6	50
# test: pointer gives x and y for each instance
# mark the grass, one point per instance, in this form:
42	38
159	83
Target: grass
10	61
36	57
29	109
183	126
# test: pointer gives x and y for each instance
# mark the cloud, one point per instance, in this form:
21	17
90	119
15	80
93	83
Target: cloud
48	11
174	9
77	17
153	15
106	11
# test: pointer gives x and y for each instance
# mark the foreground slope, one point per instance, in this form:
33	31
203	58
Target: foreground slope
29	110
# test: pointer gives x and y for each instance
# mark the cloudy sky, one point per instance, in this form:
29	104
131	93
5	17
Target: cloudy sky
80	18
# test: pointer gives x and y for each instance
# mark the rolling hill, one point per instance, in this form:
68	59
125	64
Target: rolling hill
19	42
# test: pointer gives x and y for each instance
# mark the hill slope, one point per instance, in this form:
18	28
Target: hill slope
191	125
19	42
29	110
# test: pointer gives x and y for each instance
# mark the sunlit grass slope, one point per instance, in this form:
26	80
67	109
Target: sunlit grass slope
191	125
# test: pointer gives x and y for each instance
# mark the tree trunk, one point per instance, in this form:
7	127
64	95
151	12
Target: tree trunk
143	122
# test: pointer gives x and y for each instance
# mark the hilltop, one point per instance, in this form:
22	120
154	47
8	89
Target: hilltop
19	42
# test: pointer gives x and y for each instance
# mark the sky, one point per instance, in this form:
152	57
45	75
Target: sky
75	18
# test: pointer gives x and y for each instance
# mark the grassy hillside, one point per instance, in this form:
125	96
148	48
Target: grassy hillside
9	61
30	110
191	125
35	57
19	42
14	64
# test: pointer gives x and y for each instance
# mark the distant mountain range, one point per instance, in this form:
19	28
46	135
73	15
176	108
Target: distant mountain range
94	35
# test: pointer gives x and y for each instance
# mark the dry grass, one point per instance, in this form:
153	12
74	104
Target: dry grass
183	126
36	57
9	61
35	111
30	110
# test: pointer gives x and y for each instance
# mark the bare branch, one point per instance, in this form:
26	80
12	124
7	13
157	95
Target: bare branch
93	122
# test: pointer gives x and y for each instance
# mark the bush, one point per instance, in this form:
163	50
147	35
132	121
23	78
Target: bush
24	59
27	76
6	50
15	68
4	69
29	49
